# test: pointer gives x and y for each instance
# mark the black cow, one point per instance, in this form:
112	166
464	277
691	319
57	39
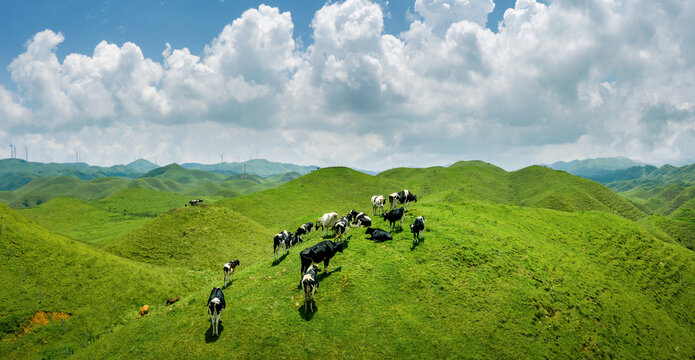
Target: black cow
416	227
322	251
394	216
303	230
216	304
229	268
280	241
309	284
362	219
378	235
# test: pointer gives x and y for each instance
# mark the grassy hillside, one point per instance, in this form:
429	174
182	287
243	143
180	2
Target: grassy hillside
184	176
492	281
48	272
534	186
15	173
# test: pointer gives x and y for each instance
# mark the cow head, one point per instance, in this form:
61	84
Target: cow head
339	246
370	231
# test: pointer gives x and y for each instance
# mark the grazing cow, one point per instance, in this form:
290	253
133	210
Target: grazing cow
216	304
281	241
172	300
394	216
144	310
309	284
195	202
322	251
326	221
229	268
401	198
377	204
362	220
303	230
378	235
416	227
341	227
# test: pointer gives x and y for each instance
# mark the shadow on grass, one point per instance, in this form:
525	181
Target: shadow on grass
209	338
308	314
422	240
324	274
279	260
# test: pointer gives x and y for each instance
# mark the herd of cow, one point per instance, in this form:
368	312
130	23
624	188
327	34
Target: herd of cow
325	250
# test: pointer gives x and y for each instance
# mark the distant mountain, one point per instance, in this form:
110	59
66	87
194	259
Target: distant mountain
142	165
259	167
15	173
589	168
185	176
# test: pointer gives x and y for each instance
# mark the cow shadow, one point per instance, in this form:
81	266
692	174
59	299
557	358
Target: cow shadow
422	240
209	338
279	260
308	314
324	274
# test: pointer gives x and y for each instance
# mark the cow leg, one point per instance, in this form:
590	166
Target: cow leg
232	275
325	265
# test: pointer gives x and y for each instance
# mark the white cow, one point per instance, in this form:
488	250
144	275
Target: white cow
327	221
377	204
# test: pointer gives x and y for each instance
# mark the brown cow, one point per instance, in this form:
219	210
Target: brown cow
144	310
172	300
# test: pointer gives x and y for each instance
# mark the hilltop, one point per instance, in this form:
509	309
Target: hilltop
591	168
261	167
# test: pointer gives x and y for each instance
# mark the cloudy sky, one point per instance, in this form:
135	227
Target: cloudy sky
368	84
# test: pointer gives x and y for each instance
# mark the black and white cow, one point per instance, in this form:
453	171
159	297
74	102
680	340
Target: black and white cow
195	202
416	227
322	251
362	220
326	221
229	268
378	235
216	304
310	283
377	204
303	230
281	241
403	197
341	227
394	216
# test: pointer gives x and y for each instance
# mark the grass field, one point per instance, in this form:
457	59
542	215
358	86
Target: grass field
528	264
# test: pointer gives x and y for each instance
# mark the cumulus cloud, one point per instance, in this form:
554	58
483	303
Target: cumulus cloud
557	81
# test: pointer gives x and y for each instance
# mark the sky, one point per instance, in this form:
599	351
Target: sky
365	84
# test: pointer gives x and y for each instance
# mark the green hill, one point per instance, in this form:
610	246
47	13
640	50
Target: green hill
489	280
534	186
16	173
260	167
50	273
184	176
142	165
591	168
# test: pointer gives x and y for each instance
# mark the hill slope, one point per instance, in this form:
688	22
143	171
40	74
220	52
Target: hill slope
261	167
98	289
488	281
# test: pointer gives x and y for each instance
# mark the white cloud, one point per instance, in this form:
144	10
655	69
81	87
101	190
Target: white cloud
558	81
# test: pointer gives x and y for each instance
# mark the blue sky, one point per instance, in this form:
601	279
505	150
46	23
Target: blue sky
365	83
151	24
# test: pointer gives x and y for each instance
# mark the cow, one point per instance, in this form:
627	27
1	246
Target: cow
362	220
229	268
416	227
309	284
281	241
195	202
394	216
378	235
216	304
341	227
326	221
377	204
303	230
144	310
403	197
172	300
322	251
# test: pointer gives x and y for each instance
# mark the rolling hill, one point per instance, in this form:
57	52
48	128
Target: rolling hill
591	168
496	275
50	274
261	167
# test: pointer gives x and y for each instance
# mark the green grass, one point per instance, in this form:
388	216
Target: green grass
491	279
488	281
100	290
